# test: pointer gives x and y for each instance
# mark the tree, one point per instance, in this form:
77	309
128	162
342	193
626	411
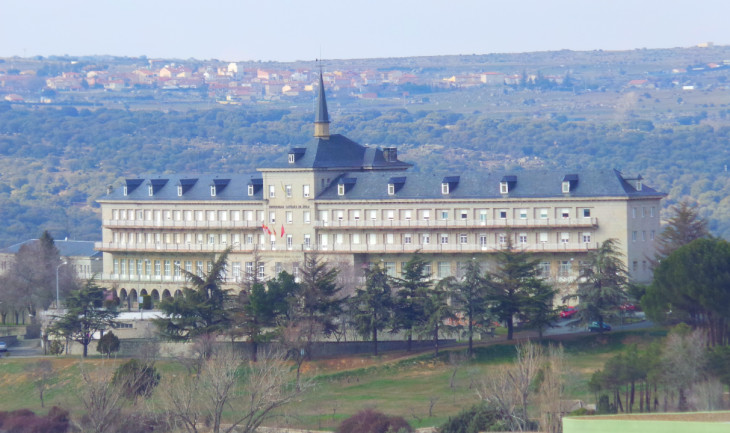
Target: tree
252	392
602	283
203	309
372	306
412	287
512	284
692	283
682	228
101	399
683	359
372	421
136	379
437	313
41	374
85	316
316	305
538	311
469	299
107	344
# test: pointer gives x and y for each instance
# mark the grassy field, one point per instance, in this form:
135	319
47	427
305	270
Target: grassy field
417	387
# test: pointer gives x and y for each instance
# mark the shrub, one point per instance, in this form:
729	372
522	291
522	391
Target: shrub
55	347
25	421
33	331
107	344
478	418
372	421
137	379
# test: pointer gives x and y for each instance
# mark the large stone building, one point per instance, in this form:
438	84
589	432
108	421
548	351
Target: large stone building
354	205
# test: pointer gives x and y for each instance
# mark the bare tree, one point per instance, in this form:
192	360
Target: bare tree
550	394
683	359
41	373
252	391
101	399
509	387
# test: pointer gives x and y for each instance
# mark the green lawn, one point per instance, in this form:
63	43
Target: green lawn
409	386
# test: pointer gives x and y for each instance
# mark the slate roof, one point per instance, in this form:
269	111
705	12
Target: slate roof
65	248
196	187
338	152
485	185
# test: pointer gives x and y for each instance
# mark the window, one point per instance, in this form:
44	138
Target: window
307	216
212	190
651	235
635	265
464	214
124	190
391	189
427	269
444	214
373	214
444	269
211	238
272	217
307	241
236	238
566	187
482	215
390	214
305	190
167	268
150	190
643	212
634	235
289	241
407	238
340	189
444	238
147	267
289	217
586	213
210	215
188	266
542	213
565	237
502	214
426	238
287	190
188	215
250	190
179	191
356	238
249	239
651	211
356	215
444	188
542	237
543	269
249	269
372	239
425	214
323	216
223	238
157	268
633	212
237	271
262	271
124	267
463	238
278	267
176	266
389	268
565	270
199	267
260	215
643	235
502	238
522	213
522	238
587	238
139	267
483	240
291	158
407	214
503	187
389	238
272	191
565	213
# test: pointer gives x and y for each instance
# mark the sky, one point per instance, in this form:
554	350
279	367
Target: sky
288	30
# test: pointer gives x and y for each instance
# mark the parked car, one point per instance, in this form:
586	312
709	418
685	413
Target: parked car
628	308
595	327
3	346
568	312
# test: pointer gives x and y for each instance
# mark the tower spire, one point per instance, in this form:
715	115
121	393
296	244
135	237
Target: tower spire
322	120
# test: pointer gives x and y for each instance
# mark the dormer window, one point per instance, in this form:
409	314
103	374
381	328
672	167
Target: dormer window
150	190
503	187
291	158
638	184
391	189
212	190
341	189
250	190
444	188
570	181
124	190
566	187
179	190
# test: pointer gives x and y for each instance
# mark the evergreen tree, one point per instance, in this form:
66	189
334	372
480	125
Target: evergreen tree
372	307
412	288
512	285
684	226
437	313
469	299
602	284
203	308
85	316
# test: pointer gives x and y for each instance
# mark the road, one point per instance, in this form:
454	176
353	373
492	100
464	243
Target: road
568	326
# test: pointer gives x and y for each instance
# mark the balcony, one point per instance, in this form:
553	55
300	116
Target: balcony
182	225
180	280
458	224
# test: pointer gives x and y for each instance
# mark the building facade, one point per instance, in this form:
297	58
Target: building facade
354	205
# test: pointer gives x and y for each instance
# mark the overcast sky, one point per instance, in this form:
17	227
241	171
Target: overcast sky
286	30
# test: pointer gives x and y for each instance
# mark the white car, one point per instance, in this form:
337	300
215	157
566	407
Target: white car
3	346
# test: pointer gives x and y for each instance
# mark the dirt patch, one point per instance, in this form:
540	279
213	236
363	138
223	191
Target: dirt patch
694	416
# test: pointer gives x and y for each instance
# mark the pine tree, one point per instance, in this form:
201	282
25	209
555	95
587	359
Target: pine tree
372	307
412	287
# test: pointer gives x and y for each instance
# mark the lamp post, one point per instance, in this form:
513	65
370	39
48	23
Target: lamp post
58	303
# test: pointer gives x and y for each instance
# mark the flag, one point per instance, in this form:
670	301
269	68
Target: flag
282	230
265	229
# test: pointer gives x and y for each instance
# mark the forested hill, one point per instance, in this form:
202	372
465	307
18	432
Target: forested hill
55	162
